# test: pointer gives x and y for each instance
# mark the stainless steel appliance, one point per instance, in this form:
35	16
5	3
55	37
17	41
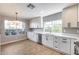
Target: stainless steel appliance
76	48
39	38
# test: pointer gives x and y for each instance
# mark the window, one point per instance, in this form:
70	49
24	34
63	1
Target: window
53	26
14	27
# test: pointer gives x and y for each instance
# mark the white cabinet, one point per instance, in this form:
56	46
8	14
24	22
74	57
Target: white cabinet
50	41
36	22
65	45
35	37
28	35
47	40
62	44
70	16
44	39
32	36
56	43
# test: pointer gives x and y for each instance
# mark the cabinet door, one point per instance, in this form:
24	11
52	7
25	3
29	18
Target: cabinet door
56	43
45	39
31	36
35	37
70	16
65	45
28	35
50	41
36	23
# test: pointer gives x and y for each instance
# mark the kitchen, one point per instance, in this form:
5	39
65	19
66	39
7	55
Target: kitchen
54	26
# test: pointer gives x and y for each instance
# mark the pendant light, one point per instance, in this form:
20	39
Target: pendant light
16	15
16	23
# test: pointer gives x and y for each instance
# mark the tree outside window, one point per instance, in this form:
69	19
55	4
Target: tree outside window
53	26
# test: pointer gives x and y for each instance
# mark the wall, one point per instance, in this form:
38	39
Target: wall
56	17
7	39
59	16
0	28
48	18
51	17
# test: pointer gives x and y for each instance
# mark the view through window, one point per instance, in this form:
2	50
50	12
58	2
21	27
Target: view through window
53	26
14	27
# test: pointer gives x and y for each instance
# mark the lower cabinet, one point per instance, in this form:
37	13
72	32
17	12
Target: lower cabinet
29	35
35	37
65	45
44	39
47	40
32	36
50	41
56	43
62	44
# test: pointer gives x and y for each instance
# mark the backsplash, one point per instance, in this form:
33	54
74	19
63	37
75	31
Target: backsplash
71	31
36	30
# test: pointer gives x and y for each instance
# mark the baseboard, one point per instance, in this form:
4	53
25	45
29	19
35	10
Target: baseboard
12	41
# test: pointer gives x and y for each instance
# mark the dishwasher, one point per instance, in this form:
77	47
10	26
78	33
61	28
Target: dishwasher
40	39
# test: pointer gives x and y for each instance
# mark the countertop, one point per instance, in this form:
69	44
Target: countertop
73	36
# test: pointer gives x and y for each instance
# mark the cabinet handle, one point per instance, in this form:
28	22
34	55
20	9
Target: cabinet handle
55	41
64	41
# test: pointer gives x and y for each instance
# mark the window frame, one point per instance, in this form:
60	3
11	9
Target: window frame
52	21
17	31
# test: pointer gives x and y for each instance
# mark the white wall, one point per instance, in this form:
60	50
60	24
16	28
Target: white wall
51	17
7	39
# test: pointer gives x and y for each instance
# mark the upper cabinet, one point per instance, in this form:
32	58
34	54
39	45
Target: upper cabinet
78	15
70	16
36	22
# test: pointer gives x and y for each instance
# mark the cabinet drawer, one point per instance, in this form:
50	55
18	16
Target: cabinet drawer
56	43
65	40
65	45
50	38
43	37
44	41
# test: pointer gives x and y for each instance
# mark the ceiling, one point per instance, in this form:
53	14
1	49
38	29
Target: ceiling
41	9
